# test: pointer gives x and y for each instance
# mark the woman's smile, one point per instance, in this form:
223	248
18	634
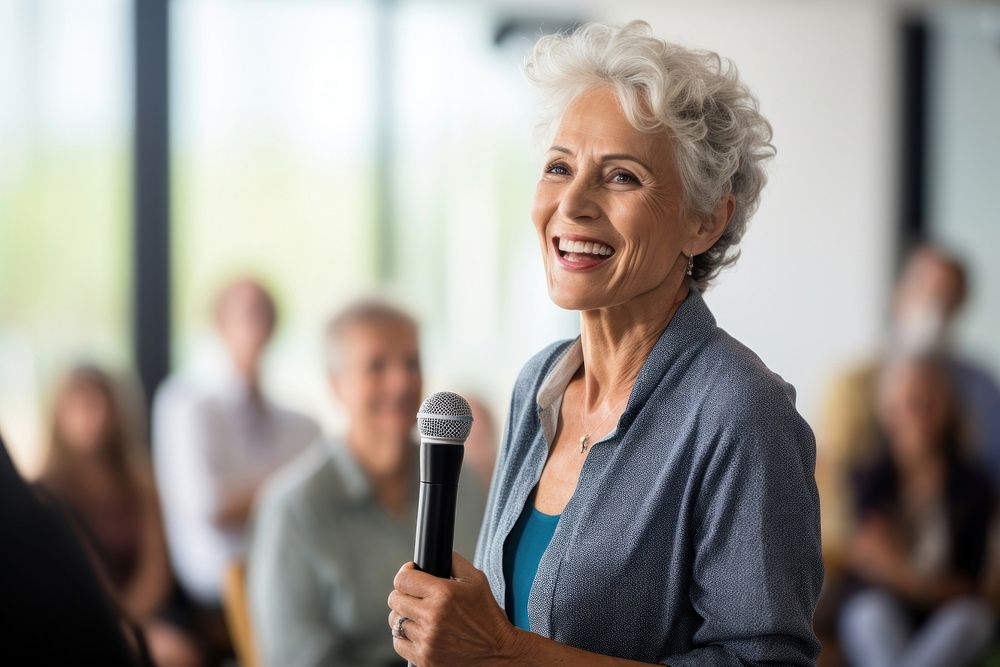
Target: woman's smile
580	253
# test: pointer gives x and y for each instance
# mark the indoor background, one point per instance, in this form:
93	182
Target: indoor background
336	148
152	150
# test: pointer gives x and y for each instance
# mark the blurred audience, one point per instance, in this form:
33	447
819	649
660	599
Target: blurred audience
215	445
334	526
918	558
927	301
97	470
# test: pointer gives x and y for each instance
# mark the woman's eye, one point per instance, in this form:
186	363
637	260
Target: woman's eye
558	169
623	177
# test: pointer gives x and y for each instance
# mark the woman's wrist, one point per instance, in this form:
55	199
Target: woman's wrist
518	649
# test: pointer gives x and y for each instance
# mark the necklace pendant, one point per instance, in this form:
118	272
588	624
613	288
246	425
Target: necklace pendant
583	443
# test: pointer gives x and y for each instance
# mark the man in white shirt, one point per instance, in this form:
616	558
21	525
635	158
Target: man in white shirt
214	446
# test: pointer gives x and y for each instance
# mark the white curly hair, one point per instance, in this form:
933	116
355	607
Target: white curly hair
721	140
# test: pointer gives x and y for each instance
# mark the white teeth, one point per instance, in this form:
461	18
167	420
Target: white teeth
587	247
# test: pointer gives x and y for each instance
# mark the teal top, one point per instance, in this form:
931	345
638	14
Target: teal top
522	552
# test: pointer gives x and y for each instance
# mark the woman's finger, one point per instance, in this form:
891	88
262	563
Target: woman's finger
393	617
413	630
406	605
411	581
406	650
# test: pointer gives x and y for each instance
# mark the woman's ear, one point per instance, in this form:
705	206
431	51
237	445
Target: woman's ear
712	226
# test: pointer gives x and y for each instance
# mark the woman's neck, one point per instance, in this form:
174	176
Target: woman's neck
617	340
84	473
86	459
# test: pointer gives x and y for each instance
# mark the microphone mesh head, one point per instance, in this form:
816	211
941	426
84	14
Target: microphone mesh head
445	415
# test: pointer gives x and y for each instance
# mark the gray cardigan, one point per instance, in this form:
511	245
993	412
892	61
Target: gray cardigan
693	535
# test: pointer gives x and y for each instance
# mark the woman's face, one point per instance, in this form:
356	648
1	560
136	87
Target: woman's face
83	419
607	208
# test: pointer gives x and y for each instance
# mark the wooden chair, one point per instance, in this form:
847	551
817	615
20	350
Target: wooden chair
237	611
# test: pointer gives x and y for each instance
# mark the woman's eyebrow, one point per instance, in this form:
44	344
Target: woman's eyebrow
607	158
625	156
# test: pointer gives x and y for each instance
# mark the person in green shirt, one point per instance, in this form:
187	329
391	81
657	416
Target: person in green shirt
332	528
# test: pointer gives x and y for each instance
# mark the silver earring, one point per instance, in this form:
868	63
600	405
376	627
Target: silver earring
690	264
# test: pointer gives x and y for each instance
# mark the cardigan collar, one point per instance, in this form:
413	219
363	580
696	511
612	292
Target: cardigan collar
687	329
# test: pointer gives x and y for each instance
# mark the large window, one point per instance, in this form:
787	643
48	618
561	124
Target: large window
964	169
64	199
273	173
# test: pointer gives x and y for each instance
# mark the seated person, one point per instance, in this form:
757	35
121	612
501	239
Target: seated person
213	449
334	526
919	555
96	472
927	304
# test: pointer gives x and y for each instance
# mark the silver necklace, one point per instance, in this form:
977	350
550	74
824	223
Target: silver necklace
584	439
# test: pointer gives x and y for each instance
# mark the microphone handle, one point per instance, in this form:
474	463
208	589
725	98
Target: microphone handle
435	528
440	465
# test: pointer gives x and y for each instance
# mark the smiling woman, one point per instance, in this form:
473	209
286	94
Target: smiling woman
605	182
692	107
654	500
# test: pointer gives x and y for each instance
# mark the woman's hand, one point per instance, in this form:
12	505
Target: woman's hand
450	621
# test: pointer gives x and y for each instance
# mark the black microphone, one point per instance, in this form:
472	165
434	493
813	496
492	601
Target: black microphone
444	422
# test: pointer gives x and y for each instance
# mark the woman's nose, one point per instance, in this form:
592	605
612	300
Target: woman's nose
578	201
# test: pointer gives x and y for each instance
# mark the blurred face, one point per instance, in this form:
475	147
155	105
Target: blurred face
379	384
245	323
914	410
83	419
931	279
607	209
927	300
